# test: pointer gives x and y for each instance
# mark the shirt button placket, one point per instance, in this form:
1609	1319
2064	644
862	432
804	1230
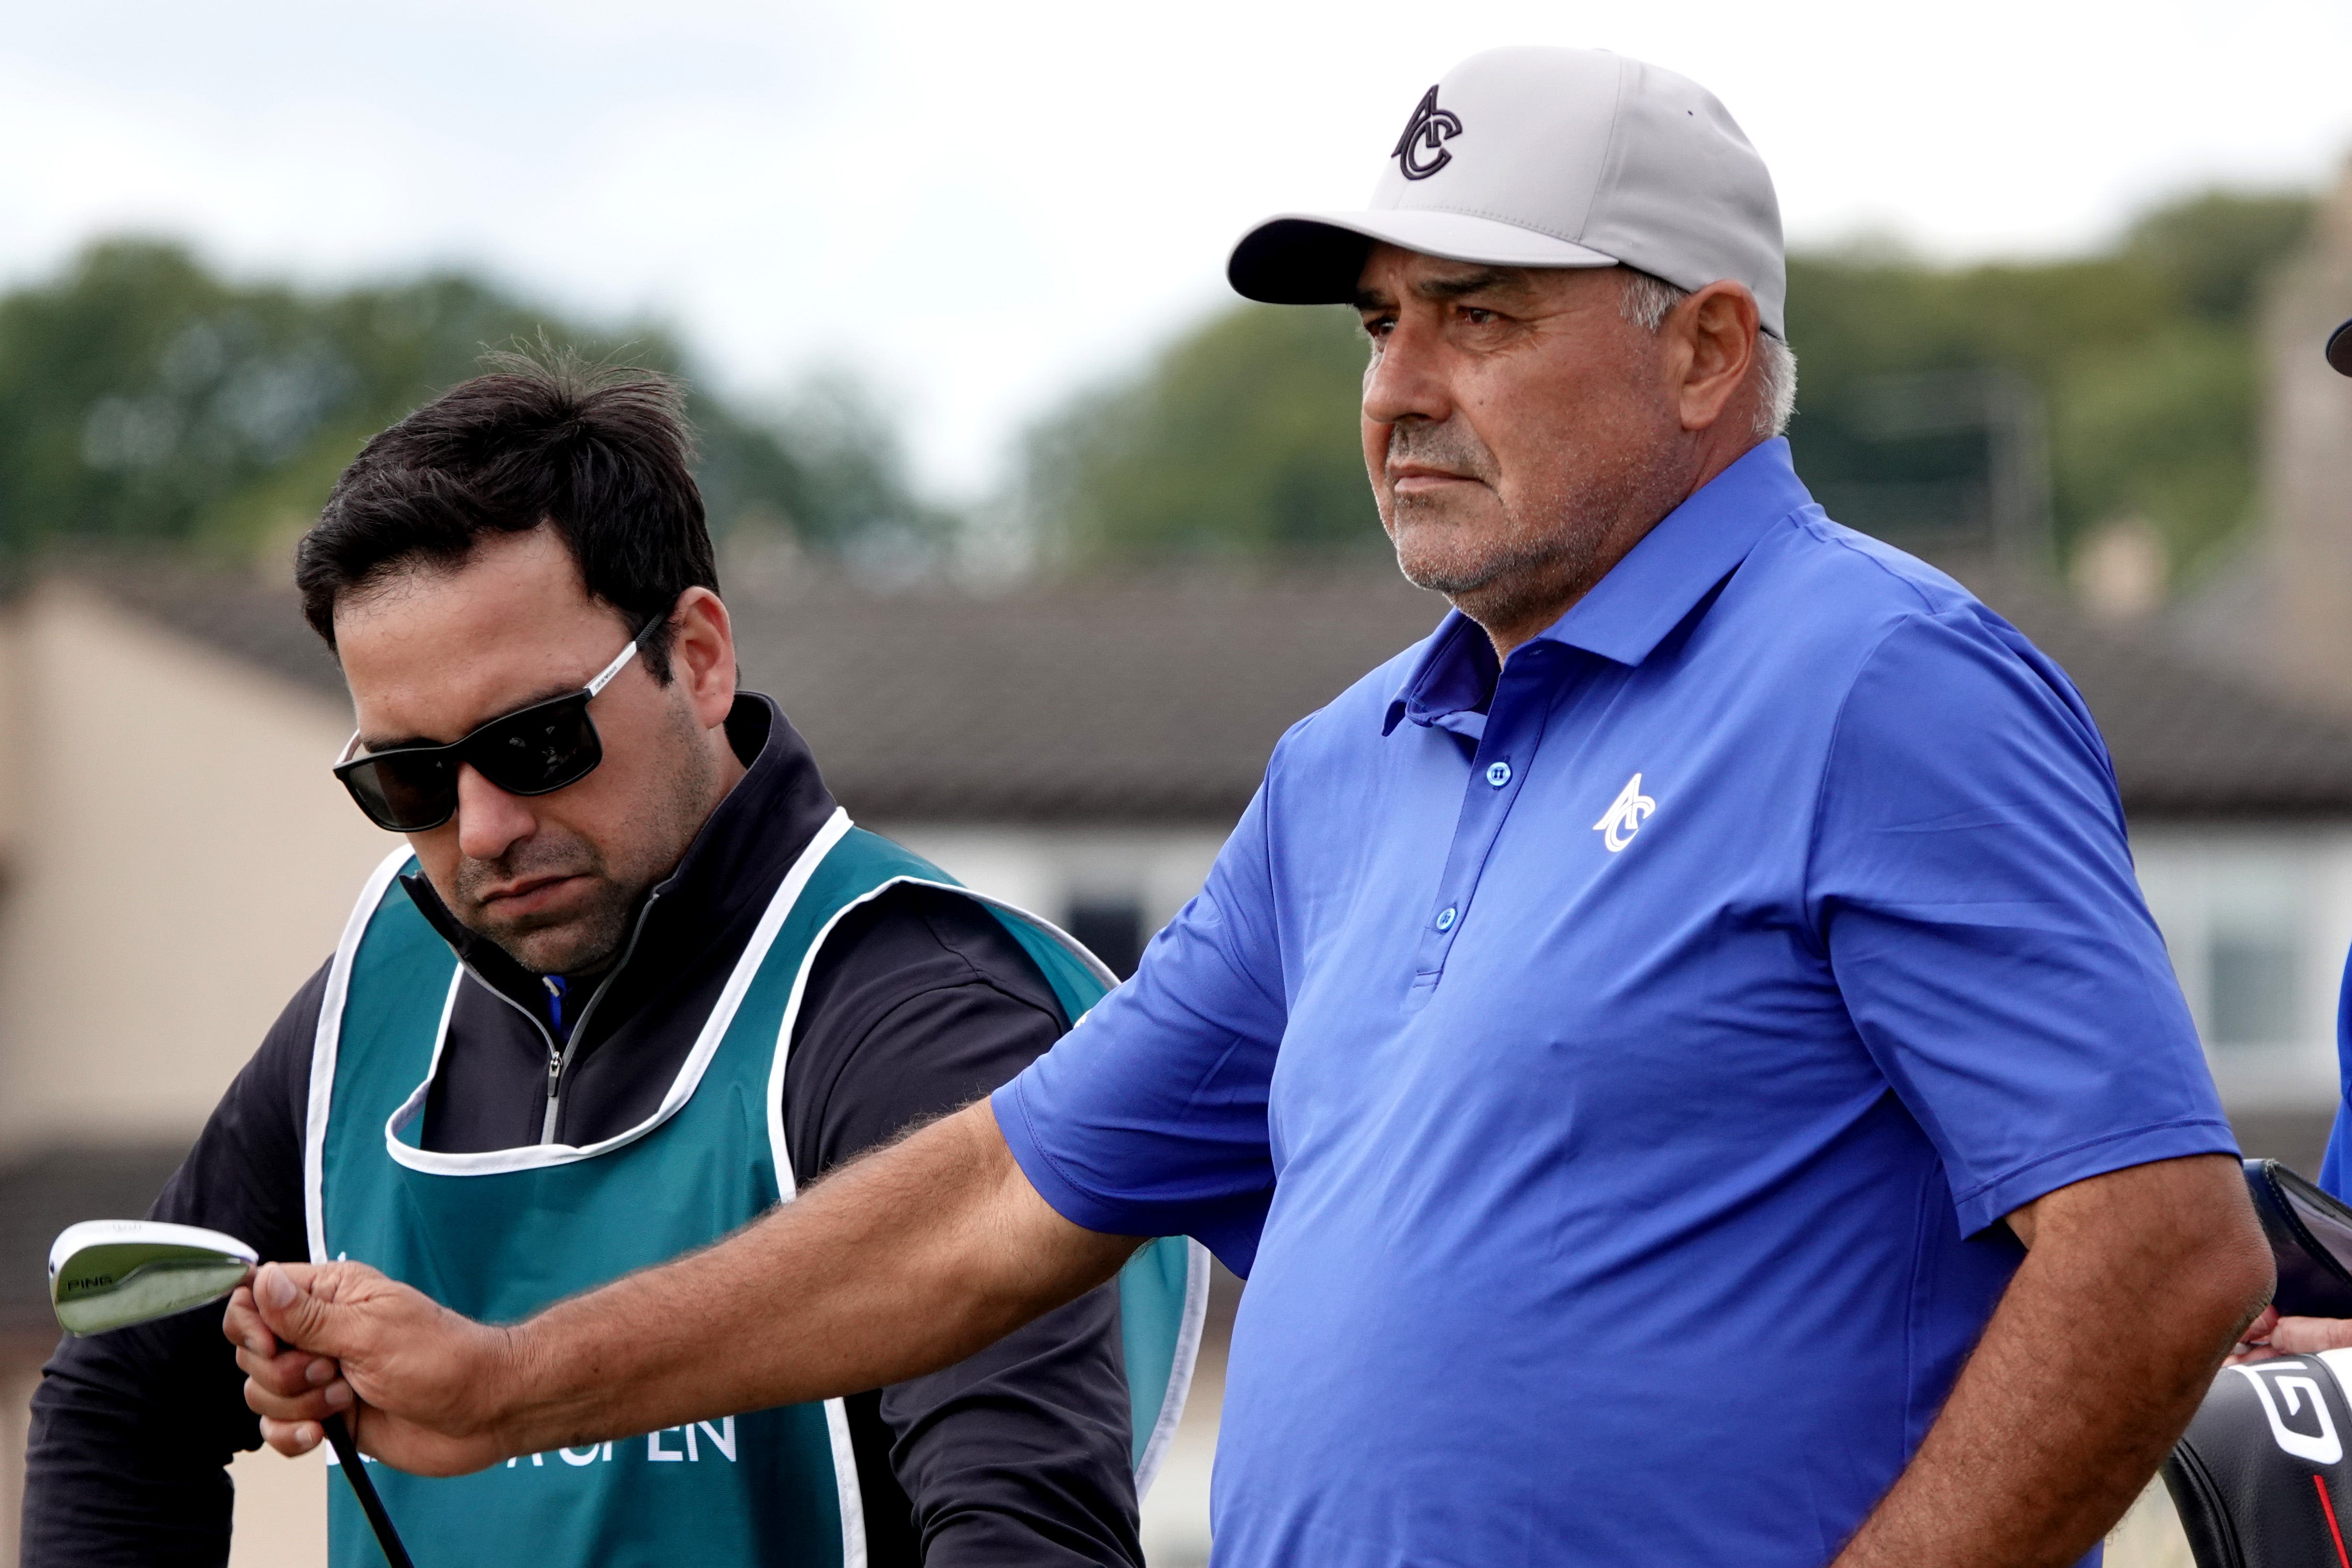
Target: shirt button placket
1514	722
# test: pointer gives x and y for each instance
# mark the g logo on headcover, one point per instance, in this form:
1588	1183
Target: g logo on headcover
2299	1420
1427	131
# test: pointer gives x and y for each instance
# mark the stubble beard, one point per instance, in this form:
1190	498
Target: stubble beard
588	940
1545	554
1494	581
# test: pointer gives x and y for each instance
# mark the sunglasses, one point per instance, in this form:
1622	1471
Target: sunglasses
534	751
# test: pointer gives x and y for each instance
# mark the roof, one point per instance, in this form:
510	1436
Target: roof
1158	698
2188	738
1132	699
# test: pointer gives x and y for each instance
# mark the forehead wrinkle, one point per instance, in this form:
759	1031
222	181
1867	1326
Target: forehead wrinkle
1480	280
1486	280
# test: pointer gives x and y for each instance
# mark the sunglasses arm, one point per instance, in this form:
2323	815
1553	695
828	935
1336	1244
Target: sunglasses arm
604	678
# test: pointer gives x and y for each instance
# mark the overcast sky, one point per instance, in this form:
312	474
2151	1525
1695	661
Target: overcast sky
981	206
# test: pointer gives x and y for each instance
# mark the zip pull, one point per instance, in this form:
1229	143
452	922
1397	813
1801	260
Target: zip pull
555	983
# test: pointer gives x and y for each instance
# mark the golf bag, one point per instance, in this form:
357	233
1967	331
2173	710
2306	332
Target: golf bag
2260	1479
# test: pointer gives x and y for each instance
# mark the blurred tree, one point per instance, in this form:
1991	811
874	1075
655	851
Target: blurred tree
2137	366
142	398
2212	248
2144	358
1239	439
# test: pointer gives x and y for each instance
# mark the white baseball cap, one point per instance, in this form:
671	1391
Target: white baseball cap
1537	157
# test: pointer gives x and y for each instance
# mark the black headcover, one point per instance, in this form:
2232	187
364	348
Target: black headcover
2311	1241
2260	1480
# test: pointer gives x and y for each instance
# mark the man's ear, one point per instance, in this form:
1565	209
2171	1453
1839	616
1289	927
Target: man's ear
702	654
1713	332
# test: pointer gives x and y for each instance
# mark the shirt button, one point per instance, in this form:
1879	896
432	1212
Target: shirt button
1445	918
1498	774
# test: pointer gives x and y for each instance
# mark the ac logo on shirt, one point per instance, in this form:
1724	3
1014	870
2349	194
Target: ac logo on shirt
1618	824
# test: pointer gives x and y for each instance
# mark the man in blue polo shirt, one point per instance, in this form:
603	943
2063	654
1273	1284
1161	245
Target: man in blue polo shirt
1679	1054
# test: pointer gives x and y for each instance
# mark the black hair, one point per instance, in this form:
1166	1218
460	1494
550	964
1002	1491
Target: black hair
601	453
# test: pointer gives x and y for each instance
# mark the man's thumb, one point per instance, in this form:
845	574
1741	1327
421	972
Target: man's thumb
293	1312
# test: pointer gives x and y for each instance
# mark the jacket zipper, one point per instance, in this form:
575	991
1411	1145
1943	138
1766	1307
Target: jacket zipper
555	1057
559	1062
558	1059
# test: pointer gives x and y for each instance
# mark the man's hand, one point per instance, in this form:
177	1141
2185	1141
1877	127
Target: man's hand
398	1350
2134	1287
898	1264
2271	1334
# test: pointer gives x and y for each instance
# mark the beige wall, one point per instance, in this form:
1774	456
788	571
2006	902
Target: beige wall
281	1510
177	859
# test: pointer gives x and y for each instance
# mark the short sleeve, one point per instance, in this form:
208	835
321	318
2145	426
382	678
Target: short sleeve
2336	1166
1970	882
1149	1118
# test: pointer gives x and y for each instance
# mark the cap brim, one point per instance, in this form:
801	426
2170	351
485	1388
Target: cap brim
2339	350
1315	258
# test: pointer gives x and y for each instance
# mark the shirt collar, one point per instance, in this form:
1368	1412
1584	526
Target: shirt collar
1641	598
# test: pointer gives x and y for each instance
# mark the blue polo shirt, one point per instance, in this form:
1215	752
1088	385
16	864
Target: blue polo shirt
1610	1070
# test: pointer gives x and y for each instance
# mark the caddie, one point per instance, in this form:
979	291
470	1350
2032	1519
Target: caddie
630	980
1679	1052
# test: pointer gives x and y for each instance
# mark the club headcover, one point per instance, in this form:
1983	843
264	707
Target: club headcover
2258	1480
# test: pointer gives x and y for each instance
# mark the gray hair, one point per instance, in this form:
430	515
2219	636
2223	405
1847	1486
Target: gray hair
1648	299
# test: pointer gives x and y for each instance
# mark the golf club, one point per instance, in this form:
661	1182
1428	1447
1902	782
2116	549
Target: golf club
111	1273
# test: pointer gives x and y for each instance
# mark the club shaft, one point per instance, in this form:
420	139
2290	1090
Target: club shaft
347	1451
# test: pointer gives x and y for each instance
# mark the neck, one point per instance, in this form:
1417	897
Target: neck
1516	609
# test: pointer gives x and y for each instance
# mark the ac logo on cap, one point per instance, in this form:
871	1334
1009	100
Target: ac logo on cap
1427	131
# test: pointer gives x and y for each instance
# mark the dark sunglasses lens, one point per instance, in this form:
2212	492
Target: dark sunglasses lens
405	793
539	749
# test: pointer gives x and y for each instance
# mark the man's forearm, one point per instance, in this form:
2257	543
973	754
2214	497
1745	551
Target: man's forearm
899	1264
2109	1335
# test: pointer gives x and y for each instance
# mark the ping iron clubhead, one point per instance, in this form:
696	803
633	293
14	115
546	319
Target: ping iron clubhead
111	1273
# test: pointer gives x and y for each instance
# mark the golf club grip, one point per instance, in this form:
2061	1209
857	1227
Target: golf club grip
347	1451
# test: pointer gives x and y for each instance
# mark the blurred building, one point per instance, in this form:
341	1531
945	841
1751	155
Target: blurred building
2258	914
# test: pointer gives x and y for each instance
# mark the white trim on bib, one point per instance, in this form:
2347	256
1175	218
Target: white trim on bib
537	1157
682	1090
323	1045
1196	1257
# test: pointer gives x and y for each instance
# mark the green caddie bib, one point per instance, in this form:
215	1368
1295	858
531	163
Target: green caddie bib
500	1235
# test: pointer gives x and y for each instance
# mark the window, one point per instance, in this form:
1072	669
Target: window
1112	929
2254	950
2245	919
